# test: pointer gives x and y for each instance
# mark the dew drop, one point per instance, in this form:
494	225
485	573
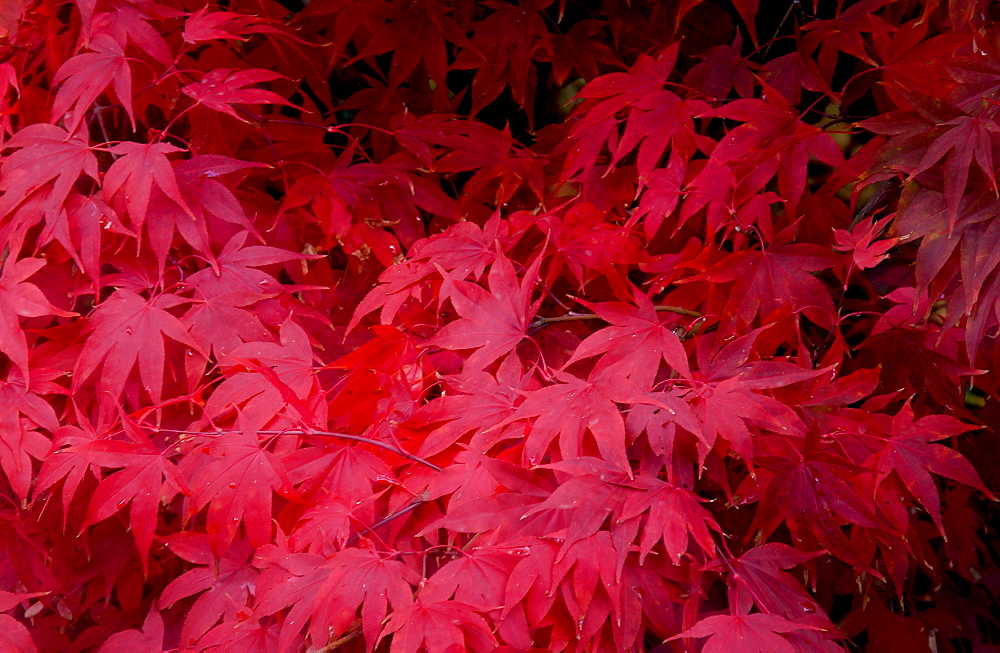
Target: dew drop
121	504
232	485
128	330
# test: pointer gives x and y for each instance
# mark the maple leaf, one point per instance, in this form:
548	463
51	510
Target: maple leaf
722	68
20	298
910	452
267	380
147	640
503	49
235	269
657	117
727	407
222	323
493	322
746	633
815	492
758	573
63	463
357	578
477	401
85	76
844	33
225	583
204	25
585	242
438	626
476	578
767	279
859	241
14	636
127	23
130	179
661	195
236	478
210	203
571	408
632	329
44	153
578	50
126	331
675	514
146	479
963	139
437	29
464	248
221	88
581	504
19	440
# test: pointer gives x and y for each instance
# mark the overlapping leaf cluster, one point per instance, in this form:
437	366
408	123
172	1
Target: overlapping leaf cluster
471	325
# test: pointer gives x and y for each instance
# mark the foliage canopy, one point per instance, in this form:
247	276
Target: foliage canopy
448	325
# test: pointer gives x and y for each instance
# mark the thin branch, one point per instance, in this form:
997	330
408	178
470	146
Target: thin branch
542	321
360	438
343	436
415	503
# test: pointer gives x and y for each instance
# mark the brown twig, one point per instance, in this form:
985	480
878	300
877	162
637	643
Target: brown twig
343	436
542	321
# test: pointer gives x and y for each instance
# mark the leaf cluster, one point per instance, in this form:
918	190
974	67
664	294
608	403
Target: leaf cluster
443	325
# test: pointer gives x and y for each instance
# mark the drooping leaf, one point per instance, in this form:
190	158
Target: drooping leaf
84	77
222	88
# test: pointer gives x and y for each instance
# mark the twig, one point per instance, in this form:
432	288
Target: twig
542	321
414	503
343	436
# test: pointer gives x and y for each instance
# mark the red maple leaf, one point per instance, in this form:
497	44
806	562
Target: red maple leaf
860	240
20	441
147	640
129	181
758	575
503	51
235	270
358	578
221	88
675	514
224	582
236	477
44	153
268	380
85	76
746	633
493	322
421	626
910	452
19	298
145	479
127	331
570	409
767	279
633	329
